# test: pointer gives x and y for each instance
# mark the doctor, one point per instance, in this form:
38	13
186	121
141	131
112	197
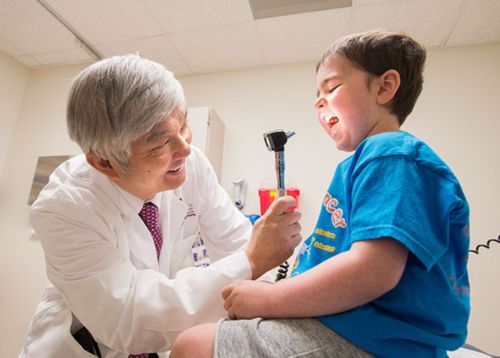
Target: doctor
139	238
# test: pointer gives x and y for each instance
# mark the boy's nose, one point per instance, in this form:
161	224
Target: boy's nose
320	103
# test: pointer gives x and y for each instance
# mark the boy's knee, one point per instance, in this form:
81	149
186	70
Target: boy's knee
181	345
197	341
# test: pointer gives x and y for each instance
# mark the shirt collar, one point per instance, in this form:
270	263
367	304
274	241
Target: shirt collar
137	203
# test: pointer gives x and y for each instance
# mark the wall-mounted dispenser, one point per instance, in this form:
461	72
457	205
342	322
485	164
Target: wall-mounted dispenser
240	192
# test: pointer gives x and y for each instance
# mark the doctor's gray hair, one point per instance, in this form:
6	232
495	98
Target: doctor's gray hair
115	101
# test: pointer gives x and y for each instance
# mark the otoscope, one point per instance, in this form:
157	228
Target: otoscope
275	141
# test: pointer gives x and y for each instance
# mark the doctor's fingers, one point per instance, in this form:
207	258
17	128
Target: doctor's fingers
289	218
291	241
282	220
296	240
280	205
286	228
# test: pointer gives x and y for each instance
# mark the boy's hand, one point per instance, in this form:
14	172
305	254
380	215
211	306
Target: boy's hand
274	236
248	299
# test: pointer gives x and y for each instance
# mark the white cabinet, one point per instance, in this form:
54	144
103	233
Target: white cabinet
208	134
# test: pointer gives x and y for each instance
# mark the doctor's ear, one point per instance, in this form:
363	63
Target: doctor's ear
102	165
389	83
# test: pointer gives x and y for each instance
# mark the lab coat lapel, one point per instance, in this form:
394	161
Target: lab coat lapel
142	248
173	214
136	240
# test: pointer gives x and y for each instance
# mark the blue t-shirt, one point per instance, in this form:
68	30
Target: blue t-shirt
395	186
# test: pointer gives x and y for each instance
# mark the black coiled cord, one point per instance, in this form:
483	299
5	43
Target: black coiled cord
282	271
487	245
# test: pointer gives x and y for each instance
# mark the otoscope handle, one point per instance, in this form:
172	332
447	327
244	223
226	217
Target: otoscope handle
280	172
275	141
280	176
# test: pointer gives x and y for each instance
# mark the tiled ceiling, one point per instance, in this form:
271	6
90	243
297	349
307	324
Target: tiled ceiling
204	36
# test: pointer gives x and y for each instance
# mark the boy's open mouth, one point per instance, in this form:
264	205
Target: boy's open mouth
330	120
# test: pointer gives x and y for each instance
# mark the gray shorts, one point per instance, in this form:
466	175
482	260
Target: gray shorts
305	337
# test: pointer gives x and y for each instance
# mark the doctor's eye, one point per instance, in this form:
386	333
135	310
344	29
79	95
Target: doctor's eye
161	145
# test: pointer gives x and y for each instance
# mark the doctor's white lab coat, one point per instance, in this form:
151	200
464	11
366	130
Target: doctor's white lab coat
102	265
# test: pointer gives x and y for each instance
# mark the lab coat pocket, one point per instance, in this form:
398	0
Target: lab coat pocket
77	347
182	254
190	227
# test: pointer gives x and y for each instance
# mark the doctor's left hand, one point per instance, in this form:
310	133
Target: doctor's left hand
248	299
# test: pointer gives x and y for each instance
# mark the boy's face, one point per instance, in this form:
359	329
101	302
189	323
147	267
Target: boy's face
158	158
347	102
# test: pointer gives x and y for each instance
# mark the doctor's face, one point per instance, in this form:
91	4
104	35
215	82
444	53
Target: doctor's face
158	158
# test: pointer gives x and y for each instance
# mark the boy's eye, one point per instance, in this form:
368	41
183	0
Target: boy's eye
333	88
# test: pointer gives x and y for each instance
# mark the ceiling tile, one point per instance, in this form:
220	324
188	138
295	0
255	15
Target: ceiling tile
157	48
201	36
8	48
66	57
479	23
302	37
31	28
182	15
370	2
27	60
428	21
218	49
101	22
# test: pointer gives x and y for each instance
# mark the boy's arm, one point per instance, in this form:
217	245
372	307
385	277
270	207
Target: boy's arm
365	272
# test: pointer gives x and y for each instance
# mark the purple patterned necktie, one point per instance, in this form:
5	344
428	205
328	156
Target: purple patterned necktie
149	214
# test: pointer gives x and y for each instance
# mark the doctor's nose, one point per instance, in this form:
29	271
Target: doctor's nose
183	144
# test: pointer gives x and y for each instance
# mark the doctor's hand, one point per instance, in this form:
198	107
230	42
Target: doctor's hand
248	299
274	236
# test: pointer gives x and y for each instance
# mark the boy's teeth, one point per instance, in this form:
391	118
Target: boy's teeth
330	120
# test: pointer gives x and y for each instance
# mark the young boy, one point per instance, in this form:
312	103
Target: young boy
384	271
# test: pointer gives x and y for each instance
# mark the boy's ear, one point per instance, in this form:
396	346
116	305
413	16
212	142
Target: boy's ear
102	165
389	85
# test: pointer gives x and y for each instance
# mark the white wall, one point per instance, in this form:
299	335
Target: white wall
457	115
13	78
40	130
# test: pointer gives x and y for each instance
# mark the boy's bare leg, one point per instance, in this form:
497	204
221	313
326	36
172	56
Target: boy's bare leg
198	341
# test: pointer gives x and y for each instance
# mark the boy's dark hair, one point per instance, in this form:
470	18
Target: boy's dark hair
378	51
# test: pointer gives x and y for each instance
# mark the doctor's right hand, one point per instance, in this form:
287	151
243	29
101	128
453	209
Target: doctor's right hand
274	236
